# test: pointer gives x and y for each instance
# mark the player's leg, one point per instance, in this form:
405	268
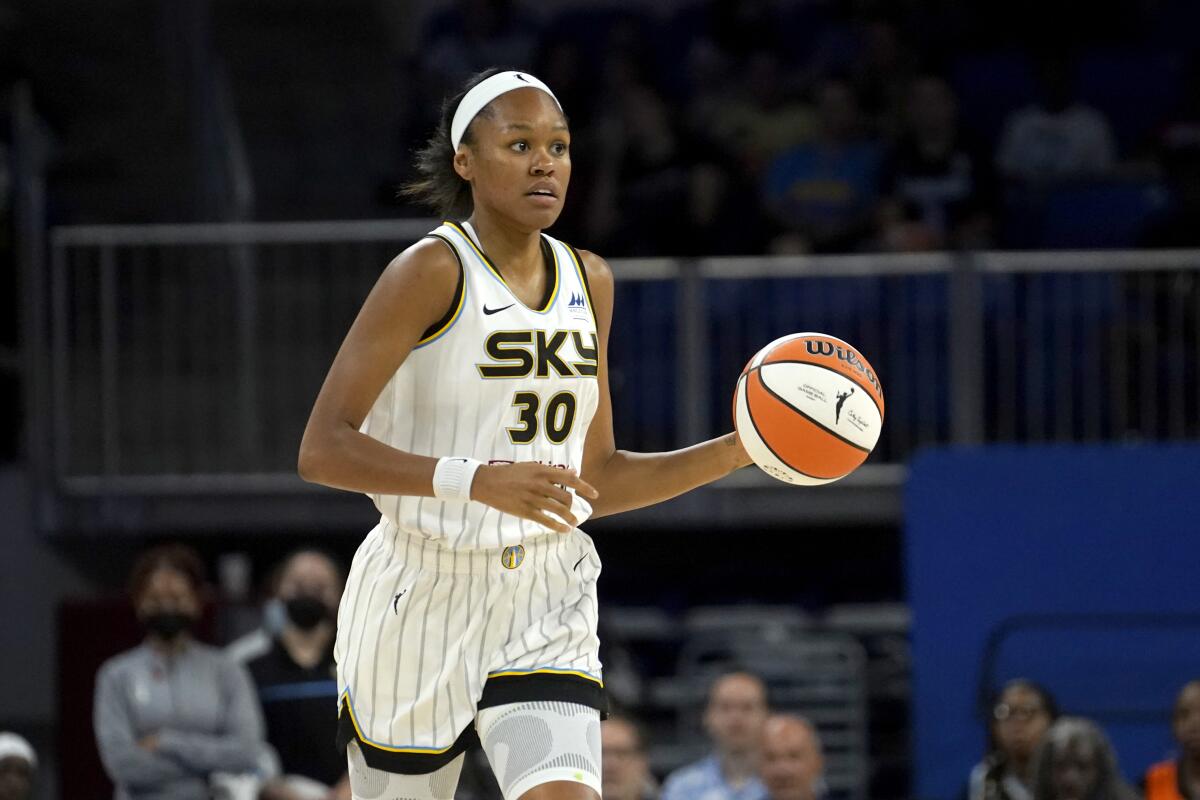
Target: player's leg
368	783
543	750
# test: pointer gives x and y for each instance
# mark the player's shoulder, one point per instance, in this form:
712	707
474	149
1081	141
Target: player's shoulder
599	273
430	256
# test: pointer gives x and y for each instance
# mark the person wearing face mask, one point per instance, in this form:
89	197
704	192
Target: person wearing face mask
297	682
172	713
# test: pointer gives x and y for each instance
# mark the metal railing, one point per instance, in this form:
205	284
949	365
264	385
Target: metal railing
187	357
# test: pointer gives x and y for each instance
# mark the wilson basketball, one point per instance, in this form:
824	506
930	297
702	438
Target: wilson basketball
808	408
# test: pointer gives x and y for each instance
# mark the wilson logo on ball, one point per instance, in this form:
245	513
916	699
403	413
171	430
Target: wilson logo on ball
846	354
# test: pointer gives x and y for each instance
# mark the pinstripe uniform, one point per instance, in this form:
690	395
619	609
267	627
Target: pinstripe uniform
454	606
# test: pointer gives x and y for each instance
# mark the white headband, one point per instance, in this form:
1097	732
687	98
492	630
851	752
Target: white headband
485	92
13	745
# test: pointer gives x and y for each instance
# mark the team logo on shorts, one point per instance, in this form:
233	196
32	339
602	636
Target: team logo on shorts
512	557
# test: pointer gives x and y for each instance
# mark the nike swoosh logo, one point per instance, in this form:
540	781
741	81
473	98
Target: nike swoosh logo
577	563
487	310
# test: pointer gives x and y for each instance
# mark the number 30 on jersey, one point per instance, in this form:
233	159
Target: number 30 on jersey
540	354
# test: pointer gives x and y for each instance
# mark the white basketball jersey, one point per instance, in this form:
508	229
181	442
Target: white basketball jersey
498	381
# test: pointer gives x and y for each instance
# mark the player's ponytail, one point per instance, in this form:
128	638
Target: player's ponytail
439	186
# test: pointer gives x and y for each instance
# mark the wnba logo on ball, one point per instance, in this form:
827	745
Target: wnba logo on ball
512	557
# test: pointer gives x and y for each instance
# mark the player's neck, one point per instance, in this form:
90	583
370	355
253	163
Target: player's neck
517	253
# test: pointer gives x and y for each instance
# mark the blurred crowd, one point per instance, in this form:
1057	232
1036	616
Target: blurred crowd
776	126
177	718
753	126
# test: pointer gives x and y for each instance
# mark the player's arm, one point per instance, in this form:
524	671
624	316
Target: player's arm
412	293
632	480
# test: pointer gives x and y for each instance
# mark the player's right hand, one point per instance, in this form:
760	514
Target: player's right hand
532	491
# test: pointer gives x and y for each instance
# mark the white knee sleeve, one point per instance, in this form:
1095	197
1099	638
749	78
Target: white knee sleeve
368	783
532	743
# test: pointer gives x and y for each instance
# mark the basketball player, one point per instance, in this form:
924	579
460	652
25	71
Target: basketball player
470	400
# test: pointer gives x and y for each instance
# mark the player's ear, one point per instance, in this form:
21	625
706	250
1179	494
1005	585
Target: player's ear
464	162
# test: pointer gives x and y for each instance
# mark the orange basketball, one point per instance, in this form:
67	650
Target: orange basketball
808	408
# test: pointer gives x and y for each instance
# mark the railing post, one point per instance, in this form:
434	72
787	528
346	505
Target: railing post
966	351
692	356
245	281
110	420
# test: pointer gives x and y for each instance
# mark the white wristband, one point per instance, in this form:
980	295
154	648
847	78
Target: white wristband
452	477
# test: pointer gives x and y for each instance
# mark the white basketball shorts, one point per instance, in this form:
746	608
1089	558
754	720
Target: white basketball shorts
428	636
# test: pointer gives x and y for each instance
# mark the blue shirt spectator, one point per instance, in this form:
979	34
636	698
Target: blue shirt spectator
734	719
704	781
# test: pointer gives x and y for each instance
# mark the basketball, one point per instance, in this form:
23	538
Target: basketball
808	408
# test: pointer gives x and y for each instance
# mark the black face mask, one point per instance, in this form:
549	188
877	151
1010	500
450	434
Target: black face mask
306	612
168	624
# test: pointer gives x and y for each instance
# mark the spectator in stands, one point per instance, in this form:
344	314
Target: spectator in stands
172	713
1059	137
273	618
18	766
936	184
640	164
754	114
1017	721
734	719
625	773
792	762
1179	778
825	191
297	682
1076	762
882	72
